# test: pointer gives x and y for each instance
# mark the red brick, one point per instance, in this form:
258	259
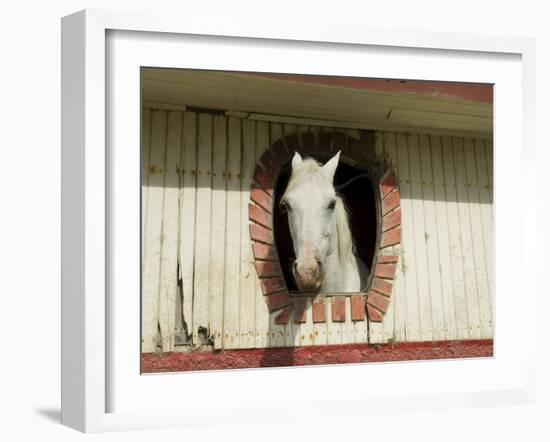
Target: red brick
319	309
280	151
374	315
391	201
261	234
277	301
270	285
391	237
282	318
387	184
378	301
382	286
261	198
270	163
387	258
391	219
259	216
300	308
264	251
385	270
357	307
268	268
264	179
338	309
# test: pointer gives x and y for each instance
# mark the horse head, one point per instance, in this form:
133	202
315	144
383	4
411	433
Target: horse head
310	201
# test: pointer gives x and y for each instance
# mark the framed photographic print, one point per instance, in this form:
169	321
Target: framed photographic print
258	215
306	218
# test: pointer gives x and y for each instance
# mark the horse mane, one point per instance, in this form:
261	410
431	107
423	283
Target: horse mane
346	246
307	169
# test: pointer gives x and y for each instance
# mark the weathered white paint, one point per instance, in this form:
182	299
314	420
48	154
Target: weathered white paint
152	244
196	183
232	287
169	237
188	194
218	225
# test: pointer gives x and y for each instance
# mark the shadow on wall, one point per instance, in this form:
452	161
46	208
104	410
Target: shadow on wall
433	161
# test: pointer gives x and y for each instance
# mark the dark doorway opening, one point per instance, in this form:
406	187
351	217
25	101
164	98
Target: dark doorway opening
359	198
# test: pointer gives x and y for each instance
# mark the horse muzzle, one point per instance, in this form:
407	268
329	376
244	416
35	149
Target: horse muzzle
308	276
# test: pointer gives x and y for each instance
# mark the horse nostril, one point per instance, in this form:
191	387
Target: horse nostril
319	265
295	267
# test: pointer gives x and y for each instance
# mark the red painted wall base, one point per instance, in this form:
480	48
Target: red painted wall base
314	355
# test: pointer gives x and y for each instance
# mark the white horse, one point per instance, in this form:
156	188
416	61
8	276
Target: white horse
321	237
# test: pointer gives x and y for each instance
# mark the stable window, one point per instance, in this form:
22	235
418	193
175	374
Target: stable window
368	187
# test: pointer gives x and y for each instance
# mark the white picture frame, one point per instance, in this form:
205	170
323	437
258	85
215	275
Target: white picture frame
93	324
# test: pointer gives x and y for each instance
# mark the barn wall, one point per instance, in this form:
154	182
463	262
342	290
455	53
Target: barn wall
443	288
198	270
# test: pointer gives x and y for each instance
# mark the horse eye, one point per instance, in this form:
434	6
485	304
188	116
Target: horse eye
285	206
332	205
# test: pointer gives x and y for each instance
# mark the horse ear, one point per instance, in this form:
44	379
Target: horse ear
296	160
330	167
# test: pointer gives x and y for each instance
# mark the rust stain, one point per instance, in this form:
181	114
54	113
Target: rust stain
154	169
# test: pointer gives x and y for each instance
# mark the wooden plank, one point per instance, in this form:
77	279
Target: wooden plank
489	157
168	291
486	207
188	217
148	343
303	330
442	228
262	313
455	240
420	233
478	240
432	243
247	292
217	233
233	236
348	326
468	254
413	325
201	299
152	237
145	153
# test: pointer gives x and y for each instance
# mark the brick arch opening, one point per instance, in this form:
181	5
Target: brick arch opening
376	227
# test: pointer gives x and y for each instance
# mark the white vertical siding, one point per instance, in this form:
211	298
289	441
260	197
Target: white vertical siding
442	288
152	233
197	171
169	236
